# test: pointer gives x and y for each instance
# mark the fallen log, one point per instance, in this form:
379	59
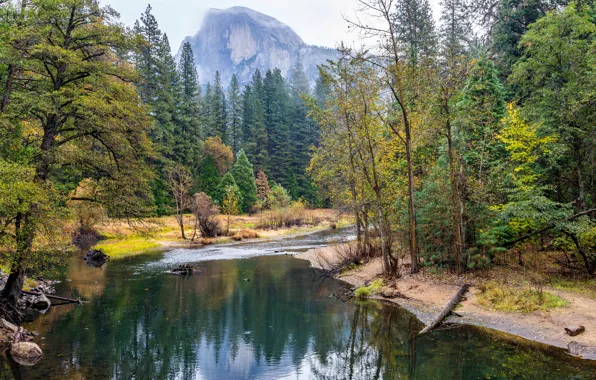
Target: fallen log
453	302
574	330
70	300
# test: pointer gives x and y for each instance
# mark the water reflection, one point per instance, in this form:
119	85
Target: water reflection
259	318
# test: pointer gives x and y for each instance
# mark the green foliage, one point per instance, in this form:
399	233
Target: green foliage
366	291
245	179
208	179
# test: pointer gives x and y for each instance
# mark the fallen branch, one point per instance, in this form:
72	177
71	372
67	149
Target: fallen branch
69	300
453	302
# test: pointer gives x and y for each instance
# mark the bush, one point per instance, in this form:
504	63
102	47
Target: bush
205	212
366	291
294	215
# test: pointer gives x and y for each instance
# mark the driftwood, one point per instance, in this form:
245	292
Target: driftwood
574	330
69	300
453	302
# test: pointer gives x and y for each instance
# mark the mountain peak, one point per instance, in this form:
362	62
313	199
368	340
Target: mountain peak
239	40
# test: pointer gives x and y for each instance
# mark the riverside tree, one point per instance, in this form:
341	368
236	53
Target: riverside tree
73	107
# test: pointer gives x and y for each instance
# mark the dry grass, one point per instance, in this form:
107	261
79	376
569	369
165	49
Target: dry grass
517	300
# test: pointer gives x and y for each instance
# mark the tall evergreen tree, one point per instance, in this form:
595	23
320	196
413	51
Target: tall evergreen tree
245	179
159	81
190	112
217	109
276	104
254	124
234	114
304	134
207	112
415	28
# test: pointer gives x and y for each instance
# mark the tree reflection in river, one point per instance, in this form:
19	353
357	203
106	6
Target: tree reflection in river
265	318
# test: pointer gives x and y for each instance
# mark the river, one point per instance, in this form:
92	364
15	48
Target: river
252	311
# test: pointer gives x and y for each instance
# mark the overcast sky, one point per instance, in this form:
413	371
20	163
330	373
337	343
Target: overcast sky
318	22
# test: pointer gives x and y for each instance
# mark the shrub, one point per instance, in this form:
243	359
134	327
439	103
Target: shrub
366	291
205	212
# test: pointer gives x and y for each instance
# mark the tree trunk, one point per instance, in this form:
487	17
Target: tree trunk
413	238
181	221
455	203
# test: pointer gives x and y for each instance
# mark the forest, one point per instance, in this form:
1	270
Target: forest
452	144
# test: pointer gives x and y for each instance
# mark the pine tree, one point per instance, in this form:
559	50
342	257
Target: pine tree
159	81
208	177
217	109
304	135
234	114
276	102
190	112
245	179
456	28
416	29
207	112
255	133
227	182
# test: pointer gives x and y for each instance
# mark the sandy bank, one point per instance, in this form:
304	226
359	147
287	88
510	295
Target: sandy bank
428	295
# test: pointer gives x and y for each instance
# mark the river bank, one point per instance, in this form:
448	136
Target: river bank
426	294
122	239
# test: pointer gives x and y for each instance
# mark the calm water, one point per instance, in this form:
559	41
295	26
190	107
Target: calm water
256	317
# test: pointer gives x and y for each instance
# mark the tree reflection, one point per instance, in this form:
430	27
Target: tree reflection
281	322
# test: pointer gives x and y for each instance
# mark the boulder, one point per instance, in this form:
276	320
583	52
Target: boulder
26	353
574	330
40	302
96	258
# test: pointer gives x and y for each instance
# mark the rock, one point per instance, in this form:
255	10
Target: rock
96	258
26	353
574	330
4	324
182	270
392	293
575	348
40	302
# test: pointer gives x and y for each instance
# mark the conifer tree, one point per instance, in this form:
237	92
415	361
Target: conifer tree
276	103
234	114
245	179
207	112
415	29
217	108
256	140
190	112
208	177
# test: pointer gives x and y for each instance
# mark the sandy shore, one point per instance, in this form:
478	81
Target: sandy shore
428	295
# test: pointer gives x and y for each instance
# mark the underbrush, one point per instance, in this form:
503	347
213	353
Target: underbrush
373	288
295	215
517	300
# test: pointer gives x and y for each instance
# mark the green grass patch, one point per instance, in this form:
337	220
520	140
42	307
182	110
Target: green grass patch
367	291
517	300
584	287
128	246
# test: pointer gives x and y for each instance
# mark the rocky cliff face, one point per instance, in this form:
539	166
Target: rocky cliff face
240	40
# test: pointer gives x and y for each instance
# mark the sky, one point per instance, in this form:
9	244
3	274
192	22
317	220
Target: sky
318	22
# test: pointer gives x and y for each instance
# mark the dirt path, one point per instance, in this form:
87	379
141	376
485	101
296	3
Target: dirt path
428	295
